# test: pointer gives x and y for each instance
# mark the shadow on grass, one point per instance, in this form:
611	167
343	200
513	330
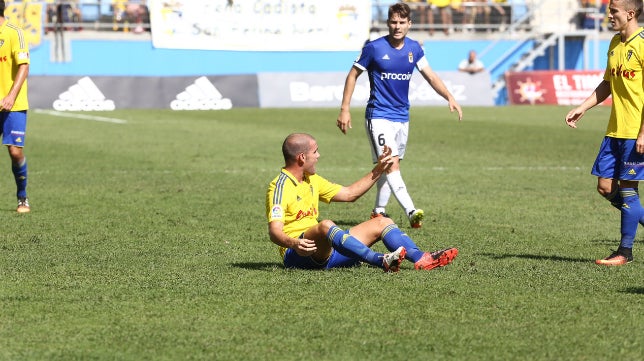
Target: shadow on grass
609	242
344	224
258	266
634	290
538	257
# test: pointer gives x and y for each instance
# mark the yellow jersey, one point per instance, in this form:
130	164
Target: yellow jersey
441	3
624	72
13	52
297	204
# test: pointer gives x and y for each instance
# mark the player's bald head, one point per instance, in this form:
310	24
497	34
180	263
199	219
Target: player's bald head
294	144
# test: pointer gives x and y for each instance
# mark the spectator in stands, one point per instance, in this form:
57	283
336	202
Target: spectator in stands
590	15
128	12
444	8
485	8
63	12
136	10
469	9
419	7
471	64
498	6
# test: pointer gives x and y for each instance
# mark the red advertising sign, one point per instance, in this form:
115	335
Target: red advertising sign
552	87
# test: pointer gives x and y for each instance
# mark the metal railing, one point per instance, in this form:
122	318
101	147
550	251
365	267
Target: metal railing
114	15
469	16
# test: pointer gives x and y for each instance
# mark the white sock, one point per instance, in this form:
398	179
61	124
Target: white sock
382	195
399	190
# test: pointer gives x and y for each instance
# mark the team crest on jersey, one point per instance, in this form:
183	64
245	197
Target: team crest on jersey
276	212
411	57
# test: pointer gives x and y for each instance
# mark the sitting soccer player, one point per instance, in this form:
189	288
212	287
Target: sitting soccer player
292	209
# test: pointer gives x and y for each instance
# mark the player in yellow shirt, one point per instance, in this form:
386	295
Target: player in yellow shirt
620	163
292	209
14	68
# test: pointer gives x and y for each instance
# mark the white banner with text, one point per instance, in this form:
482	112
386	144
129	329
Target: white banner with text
301	90
260	25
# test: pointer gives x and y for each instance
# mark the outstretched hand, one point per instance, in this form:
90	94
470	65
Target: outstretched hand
385	160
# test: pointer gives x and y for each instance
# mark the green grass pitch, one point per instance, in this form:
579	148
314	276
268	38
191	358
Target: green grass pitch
147	240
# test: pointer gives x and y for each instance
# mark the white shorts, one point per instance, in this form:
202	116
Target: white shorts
383	131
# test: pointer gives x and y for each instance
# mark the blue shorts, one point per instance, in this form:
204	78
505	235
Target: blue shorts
617	159
294	260
14	126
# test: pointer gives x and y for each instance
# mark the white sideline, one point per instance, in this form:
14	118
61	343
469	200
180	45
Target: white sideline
81	116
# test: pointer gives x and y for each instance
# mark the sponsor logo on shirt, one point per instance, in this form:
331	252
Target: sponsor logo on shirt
301	214
276	212
394	76
621	72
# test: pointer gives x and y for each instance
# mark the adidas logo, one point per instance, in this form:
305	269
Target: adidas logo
201	95
631	172
386	57
83	96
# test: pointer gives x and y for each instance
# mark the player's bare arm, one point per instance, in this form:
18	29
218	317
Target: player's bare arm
344	119
599	95
361	186
303	247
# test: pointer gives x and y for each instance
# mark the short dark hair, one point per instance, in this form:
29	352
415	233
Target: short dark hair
401	9
2	7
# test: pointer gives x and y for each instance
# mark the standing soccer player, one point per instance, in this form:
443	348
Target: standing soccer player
14	68
390	61
620	163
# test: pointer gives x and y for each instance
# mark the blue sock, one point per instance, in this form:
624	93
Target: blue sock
20	174
349	246
393	237
632	212
616	201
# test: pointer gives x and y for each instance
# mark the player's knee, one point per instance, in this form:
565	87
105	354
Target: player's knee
382	222
325	225
16	154
604	190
